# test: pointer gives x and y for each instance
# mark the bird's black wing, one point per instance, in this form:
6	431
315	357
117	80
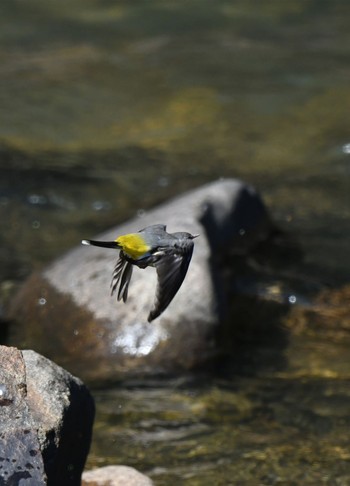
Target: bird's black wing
122	276
171	270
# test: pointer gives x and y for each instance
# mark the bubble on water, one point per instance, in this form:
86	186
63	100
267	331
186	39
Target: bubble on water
292	299
163	181
346	148
101	206
37	199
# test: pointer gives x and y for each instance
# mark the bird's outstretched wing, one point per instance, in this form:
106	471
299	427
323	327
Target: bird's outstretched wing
171	271
122	276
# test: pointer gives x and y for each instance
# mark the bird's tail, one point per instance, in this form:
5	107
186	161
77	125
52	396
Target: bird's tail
104	244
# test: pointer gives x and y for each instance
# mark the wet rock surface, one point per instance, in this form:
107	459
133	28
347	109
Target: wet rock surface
99	338
46	421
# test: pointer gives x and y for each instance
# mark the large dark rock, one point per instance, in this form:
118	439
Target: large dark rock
67	313
46	418
20	454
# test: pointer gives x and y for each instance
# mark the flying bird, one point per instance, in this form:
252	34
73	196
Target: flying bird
169	253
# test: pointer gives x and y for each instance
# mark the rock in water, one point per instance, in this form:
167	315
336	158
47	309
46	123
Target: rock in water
66	312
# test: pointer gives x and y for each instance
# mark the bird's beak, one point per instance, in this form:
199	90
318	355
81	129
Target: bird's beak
195	236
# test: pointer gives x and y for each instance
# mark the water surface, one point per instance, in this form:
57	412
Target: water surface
106	109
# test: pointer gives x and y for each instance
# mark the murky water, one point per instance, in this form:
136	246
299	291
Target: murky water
107	108
241	431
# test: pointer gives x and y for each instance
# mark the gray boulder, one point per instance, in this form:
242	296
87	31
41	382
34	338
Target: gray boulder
68	314
46	418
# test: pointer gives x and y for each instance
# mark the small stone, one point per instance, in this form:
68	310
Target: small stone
115	476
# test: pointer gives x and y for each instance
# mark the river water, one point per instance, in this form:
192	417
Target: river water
108	108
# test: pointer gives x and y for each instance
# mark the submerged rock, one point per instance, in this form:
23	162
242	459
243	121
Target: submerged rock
46	418
67	313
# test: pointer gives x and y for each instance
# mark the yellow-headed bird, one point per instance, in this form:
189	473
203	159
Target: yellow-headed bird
169	253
